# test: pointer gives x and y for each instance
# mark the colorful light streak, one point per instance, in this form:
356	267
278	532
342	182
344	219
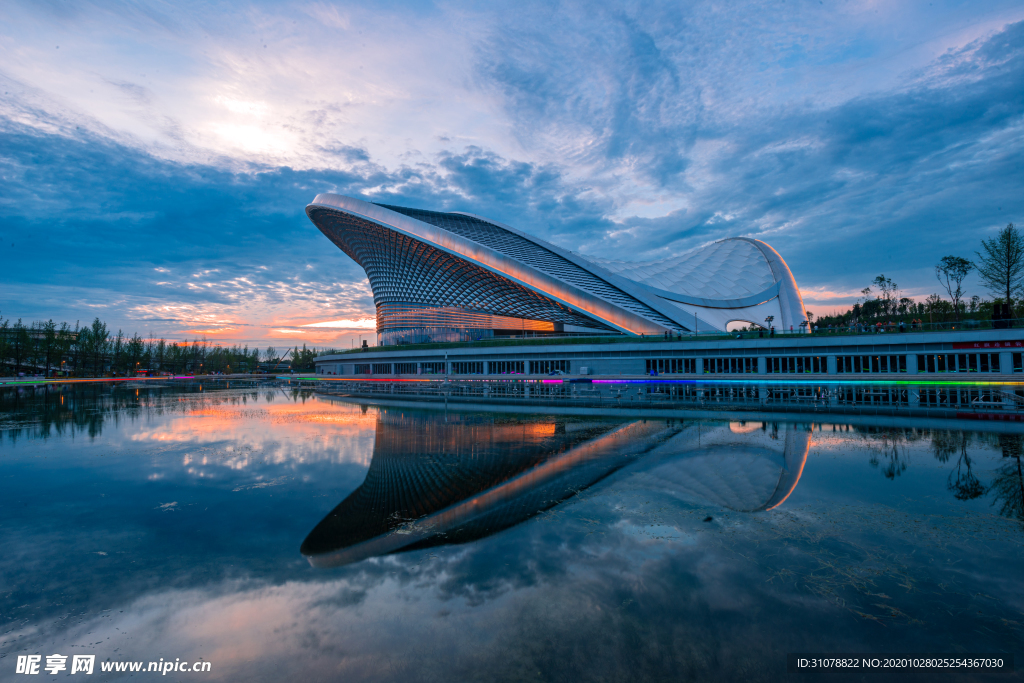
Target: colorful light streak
614	380
645	380
86	380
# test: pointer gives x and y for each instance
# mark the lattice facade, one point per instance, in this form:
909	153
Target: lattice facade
451	277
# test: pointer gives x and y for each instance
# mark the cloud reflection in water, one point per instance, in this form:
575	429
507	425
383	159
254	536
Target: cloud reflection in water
590	554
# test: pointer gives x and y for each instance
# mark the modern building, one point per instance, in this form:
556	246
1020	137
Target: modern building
458	277
962	354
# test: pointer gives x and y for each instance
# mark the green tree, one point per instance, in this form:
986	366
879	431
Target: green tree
302	359
134	349
933	304
173	356
1008	485
48	342
99	337
950	272
5	343
118	361
160	353
1001	263
82	345
890	294
20	343
64	341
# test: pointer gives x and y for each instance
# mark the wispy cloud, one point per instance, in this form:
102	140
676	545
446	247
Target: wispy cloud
155	163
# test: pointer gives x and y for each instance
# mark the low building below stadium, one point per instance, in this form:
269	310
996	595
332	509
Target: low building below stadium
975	355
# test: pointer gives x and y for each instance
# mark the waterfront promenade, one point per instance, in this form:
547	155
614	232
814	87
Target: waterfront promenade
30	380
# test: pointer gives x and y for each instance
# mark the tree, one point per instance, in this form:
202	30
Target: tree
98	338
20	347
5	344
83	342
932	306
63	345
134	348
951	271
120	346
303	359
49	343
1008	485
1001	263
161	349
890	293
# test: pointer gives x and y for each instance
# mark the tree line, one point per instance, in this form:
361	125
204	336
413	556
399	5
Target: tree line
94	350
999	264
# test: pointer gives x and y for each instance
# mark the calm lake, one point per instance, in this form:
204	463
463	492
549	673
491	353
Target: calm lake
281	535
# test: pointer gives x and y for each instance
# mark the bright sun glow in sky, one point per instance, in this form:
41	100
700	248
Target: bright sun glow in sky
157	158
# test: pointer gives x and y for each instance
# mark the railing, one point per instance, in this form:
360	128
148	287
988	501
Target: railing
882	327
877	327
766	397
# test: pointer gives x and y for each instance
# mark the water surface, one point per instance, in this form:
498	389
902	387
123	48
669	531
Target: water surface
285	536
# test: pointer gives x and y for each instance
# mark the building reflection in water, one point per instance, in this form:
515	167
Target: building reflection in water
746	467
435	480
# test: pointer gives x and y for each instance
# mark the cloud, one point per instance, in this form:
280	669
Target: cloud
186	249
884	182
154	145
365	323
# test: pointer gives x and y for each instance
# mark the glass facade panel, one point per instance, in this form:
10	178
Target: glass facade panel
507	367
547	367
468	368
730	366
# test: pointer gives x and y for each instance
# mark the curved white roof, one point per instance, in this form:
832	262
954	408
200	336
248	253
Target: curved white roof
728	269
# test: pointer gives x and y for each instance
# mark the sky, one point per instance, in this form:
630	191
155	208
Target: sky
156	158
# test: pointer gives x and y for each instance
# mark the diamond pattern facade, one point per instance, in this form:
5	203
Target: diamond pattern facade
463	275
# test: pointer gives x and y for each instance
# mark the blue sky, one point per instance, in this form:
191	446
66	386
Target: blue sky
156	157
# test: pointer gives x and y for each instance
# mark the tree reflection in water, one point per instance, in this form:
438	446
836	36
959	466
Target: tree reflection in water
1008	485
892	445
965	485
